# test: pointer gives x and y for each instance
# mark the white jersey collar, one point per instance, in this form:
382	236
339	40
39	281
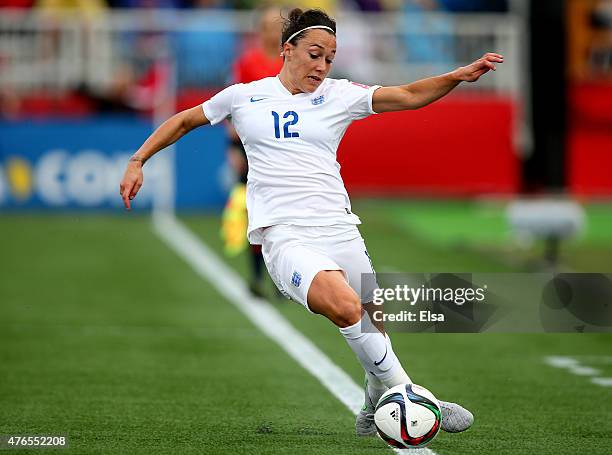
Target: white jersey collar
286	92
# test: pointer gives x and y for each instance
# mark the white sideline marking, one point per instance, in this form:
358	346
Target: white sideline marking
575	367
604	382
265	317
598	359
584	371
561	362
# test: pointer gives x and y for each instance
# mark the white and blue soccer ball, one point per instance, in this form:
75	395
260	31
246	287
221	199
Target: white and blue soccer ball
408	416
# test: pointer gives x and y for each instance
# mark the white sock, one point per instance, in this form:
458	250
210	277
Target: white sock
375	353
374	382
401	377
375	388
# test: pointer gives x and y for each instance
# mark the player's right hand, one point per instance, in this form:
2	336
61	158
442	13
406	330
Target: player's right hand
473	71
131	182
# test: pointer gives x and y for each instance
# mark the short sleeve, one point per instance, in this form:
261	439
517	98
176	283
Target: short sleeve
219	107
357	98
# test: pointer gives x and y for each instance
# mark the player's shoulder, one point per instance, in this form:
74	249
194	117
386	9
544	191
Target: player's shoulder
331	82
344	84
341	90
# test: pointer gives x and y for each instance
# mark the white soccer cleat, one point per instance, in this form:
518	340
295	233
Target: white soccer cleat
455	418
364	423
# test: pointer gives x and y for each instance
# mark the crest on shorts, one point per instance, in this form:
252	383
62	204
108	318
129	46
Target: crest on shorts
296	279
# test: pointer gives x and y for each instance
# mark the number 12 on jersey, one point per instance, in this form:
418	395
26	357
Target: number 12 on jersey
286	125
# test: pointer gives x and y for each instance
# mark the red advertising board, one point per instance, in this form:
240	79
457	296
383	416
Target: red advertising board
456	147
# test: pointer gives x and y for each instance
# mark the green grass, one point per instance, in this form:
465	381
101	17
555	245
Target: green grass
482	227
107	337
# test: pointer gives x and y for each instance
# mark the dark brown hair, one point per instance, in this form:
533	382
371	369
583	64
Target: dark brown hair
299	20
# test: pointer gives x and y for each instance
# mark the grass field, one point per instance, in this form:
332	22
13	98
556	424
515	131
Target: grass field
110	338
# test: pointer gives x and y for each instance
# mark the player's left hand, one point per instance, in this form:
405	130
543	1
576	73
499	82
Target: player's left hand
473	71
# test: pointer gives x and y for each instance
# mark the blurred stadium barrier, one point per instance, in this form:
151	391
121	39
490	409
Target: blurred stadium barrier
154	62
70	52
70	164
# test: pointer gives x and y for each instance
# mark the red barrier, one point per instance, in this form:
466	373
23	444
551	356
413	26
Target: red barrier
590	140
590	162
456	147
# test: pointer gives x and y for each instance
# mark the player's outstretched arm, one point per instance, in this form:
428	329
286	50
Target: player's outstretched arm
421	93
168	133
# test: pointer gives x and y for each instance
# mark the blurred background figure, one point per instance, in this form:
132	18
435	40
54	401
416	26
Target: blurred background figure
139	80
261	55
260	58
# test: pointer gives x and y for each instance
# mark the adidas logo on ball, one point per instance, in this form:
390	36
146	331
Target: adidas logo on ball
395	415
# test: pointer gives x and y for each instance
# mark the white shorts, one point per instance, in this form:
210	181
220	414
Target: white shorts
295	254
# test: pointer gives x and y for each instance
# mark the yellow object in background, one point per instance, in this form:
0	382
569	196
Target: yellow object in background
235	221
19	174
88	8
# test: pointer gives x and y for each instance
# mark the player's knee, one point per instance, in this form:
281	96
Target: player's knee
330	296
347	310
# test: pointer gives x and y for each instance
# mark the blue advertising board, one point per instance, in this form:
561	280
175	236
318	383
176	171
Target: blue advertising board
78	164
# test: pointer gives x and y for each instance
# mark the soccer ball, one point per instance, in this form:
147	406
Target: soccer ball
408	416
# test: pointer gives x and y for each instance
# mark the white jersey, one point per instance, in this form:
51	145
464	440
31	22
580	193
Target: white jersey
291	143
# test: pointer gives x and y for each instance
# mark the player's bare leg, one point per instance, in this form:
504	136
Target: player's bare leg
331	296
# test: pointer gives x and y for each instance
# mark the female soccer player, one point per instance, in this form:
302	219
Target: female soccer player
298	209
